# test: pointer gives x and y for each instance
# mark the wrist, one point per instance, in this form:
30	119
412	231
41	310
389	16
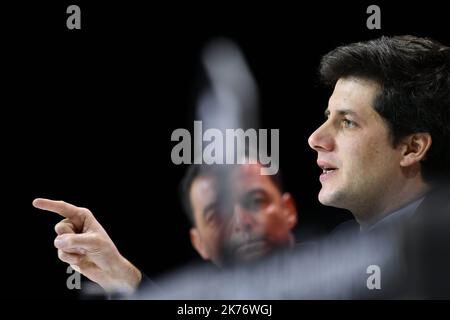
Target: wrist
125	277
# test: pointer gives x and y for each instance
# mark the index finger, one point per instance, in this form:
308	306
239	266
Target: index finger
62	208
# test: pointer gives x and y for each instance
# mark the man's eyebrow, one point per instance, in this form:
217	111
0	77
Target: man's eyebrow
341	112
255	191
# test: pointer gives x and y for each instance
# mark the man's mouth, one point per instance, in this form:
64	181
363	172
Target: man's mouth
328	170
251	249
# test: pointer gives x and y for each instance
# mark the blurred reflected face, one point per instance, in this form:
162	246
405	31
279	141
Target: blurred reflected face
354	150
248	219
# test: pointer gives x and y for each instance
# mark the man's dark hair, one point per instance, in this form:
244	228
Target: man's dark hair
217	171
414	75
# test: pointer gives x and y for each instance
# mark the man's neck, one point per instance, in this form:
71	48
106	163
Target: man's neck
392	202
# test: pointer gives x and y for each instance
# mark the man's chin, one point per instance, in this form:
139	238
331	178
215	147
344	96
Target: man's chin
328	198
323	197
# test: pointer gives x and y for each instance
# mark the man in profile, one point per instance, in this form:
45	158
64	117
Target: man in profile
385	142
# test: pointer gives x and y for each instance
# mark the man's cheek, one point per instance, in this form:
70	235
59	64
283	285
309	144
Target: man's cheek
273	215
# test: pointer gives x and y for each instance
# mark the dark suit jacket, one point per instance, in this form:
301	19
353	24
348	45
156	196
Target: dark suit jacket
426	243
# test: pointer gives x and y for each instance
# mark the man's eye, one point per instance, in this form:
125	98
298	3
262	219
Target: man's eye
348	123
254	203
212	217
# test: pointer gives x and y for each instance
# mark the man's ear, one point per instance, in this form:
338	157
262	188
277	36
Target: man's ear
415	147
197	243
291	209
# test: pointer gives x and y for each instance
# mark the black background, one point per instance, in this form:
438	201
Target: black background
88	115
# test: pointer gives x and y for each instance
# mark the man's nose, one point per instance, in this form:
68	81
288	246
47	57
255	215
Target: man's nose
322	139
242	219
